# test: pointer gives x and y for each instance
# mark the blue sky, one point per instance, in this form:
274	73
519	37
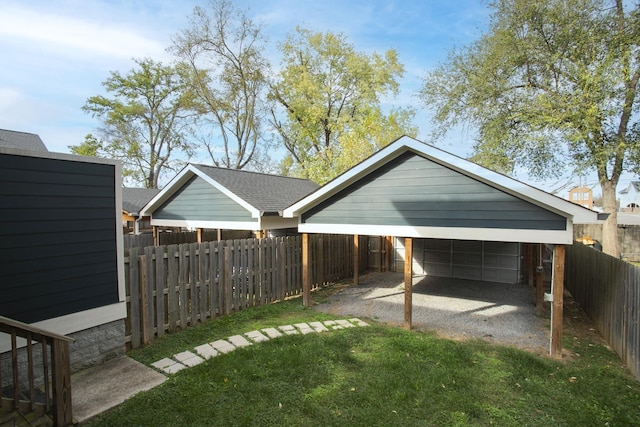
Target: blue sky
56	53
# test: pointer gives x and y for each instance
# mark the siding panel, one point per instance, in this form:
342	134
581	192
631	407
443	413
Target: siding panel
414	191
198	200
57	237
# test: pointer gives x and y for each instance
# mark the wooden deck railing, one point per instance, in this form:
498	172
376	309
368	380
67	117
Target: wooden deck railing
35	375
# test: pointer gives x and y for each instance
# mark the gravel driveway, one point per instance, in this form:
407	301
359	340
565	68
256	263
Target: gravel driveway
453	308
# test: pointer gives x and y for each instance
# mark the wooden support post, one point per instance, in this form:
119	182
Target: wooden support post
199	232
61	382
219	234
539	278
356	259
389	255
557	287
156	236
306	276
532	262
408	281
381	242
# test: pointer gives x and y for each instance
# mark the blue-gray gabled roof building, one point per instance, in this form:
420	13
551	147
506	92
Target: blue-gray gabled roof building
202	196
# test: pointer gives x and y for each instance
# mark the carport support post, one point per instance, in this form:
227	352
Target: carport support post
306	277
556	310
539	278
356	259
408	281
199	235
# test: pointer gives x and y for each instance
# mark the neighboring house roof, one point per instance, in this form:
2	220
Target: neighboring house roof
213	197
634	184
21	140
134	199
360	178
266	193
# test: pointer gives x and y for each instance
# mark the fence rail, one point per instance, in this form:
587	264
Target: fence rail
35	376
608	290
172	287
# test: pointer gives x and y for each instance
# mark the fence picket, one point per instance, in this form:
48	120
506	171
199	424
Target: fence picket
607	289
173	296
172	287
134	297
183	265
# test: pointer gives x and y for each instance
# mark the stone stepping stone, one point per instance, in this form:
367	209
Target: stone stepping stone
358	322
333	324
345	323
257	336
169	366
318	327
206	351
238	341
288	329
304	328
188	358
222	346
272	332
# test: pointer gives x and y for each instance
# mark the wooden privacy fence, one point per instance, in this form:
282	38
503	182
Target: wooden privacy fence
608	290
172	287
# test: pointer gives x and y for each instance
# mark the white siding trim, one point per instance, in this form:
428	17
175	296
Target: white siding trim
564	237
227	225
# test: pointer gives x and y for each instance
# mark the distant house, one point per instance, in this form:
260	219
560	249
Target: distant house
21	140
582	196
206	197
133	200
630	197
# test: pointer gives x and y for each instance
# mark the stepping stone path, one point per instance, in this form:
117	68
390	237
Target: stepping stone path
199	354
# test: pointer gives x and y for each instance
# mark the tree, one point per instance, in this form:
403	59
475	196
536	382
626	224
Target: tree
224	50
551	86
329	96
144	122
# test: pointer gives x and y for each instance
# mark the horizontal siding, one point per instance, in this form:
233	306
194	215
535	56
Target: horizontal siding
58	230
414	191
198	200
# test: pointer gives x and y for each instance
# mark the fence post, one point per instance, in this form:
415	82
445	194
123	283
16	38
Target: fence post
226	282
282	269
144	299
306	279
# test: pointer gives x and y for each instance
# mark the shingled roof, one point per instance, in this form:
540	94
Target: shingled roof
21	140
133	199
266	193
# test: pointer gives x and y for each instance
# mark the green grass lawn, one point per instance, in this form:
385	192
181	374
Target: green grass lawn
377	376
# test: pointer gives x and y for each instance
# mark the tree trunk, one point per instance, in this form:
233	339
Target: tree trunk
610	226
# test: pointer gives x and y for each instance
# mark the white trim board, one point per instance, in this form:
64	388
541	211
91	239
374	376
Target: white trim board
559	237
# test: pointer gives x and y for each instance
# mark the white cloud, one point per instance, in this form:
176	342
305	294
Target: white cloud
71	36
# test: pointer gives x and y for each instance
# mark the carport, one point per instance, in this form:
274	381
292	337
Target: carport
412	190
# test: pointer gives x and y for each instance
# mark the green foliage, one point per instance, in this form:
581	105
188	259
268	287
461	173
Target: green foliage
376	375
330	96
551	86
143	121
224	52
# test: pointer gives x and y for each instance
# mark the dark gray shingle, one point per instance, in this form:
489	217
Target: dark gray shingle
266	193
133	199
21	140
